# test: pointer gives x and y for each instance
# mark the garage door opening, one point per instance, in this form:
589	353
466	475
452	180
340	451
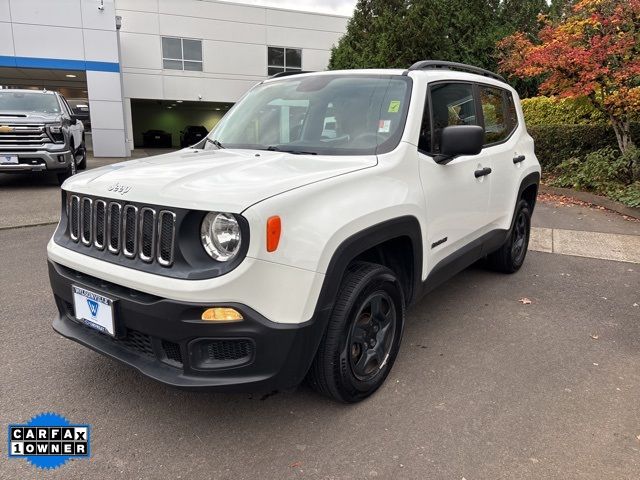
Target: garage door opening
173	124
72	84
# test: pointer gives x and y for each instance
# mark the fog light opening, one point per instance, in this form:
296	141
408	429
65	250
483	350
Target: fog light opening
221	314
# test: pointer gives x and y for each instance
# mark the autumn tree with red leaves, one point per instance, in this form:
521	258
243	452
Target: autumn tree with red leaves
592	51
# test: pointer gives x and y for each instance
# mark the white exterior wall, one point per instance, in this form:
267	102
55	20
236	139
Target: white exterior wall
234	46
71	34
76	33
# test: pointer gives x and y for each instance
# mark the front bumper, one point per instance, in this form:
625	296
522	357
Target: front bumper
36	160
159	338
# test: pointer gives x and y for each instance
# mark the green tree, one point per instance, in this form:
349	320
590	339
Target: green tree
472	29
523	16
373	36
397	33
560	8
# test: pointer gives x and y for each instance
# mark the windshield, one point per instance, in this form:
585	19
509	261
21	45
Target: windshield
320	114
28	102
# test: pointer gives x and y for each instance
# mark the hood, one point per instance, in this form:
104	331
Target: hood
217	180
27	117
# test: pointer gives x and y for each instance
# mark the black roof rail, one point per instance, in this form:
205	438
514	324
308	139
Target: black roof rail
290	72
461	67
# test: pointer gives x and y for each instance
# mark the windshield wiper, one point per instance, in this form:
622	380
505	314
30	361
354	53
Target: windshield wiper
216	143
274	148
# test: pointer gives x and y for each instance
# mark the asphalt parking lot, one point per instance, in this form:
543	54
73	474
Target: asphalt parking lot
35	199
485	386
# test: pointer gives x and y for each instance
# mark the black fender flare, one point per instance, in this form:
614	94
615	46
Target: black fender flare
531	179
350	248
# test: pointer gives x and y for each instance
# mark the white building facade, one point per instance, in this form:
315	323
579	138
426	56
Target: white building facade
170	62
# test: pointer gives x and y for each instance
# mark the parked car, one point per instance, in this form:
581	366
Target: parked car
80	108
263	256
40	133
157	139
192	135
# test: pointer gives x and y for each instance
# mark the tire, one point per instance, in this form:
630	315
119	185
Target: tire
69	172
82	163
510	256
358	349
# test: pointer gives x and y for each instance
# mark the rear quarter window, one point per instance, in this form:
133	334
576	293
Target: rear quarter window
499	114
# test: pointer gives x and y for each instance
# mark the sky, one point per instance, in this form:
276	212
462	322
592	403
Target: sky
339	7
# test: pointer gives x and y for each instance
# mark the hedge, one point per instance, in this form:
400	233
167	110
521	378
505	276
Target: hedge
557	143
561	111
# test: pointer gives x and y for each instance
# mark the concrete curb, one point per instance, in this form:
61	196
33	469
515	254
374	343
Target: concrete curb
593	199
604	246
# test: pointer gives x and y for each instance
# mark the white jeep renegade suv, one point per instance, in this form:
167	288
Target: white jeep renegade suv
290	242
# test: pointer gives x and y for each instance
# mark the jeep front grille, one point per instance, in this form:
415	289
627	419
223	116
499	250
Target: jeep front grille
74	216
86	220
100	222
113	226
123	229
166	245
130	230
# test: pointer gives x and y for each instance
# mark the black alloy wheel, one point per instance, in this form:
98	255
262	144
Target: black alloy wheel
363	336
510	256
371	336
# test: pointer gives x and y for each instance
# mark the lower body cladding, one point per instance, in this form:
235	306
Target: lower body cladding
167	340
25	161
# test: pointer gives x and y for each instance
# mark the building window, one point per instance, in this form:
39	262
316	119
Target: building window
182	54
280	59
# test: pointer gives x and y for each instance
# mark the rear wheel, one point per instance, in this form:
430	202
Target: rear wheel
363	337
510	257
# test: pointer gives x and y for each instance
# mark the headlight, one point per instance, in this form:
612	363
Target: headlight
220	235
55	132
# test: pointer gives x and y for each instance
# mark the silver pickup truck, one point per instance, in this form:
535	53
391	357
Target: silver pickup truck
39	133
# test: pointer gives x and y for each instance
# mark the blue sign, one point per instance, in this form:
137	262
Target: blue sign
93	306
49	440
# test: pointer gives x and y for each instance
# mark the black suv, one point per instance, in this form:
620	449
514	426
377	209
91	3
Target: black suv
192	135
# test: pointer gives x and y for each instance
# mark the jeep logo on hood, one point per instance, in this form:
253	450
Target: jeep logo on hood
117	188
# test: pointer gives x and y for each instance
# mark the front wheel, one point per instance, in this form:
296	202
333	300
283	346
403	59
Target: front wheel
81	157
69	172
363	337
510	256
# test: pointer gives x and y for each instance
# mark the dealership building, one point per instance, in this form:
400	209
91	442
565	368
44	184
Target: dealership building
150	66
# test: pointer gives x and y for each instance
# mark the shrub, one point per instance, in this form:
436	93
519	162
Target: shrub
605	172
595	172
561	111
629	195
558	143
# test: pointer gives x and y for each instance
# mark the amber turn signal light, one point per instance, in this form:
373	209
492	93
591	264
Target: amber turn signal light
220	314
274	228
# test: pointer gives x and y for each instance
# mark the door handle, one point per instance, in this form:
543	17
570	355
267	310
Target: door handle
482	172
519	159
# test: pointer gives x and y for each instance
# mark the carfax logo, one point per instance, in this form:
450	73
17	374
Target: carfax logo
48	440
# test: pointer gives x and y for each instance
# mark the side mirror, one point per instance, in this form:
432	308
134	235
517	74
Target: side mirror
74	120
460	140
